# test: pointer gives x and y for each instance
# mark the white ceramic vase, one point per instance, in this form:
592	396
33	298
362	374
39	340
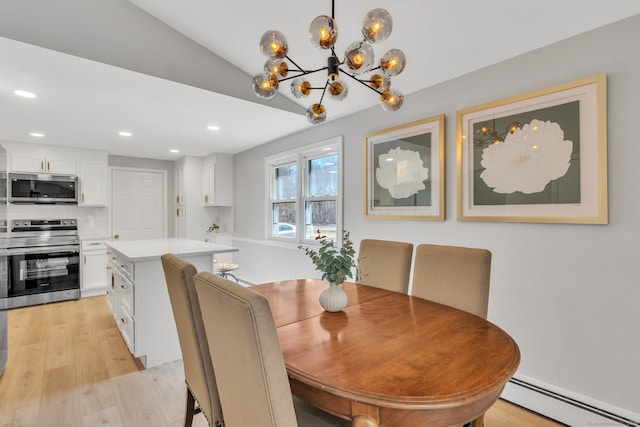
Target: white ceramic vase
333	298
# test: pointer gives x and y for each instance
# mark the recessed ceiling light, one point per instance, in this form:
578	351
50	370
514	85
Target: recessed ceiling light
124	133
25	94
174	151
213	127
37	134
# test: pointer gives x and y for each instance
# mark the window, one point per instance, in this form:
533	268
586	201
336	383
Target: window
305	191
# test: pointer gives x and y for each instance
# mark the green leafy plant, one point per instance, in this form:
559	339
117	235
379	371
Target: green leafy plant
334	264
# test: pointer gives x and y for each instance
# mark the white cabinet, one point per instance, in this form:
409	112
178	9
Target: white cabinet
39	163
217	180
180	184
94	178
181	222
180	178
141	304
94	274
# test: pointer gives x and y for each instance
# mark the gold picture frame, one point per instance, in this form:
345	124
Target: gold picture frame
537	157
404	171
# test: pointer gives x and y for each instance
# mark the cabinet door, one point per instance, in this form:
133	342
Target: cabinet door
218	180
93	183
39	163
63	166
208	184
21	162
94	265
181	222
180	178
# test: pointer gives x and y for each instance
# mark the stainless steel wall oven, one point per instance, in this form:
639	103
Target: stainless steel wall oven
43	260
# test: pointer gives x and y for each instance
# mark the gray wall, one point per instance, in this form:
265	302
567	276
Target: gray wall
568	294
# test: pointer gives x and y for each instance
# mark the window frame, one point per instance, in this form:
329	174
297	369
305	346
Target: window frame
301	156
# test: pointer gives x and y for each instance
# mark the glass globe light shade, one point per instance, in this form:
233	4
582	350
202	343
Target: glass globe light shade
273	44
391	100
323	32
276	66
359	57
393	62
338	89
377	25
380	82
300	88
265	85
316	114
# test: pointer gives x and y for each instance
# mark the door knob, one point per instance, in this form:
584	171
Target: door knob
116	236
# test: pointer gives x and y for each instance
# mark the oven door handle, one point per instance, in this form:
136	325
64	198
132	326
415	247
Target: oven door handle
43	250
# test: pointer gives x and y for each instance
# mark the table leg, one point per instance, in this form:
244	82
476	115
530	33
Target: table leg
364	415
363	421
478	422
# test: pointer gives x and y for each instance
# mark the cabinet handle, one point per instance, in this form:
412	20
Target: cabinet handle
206	198
48	166
108	267
123	320
85	259
178	212
82	197
42	165
178	199
125	287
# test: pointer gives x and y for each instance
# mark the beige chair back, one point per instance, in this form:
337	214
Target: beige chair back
385	264
252	379
198	368
453	276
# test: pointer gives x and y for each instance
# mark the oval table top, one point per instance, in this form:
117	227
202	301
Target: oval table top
389	358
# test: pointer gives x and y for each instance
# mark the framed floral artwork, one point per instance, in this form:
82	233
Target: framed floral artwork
404	171
536	157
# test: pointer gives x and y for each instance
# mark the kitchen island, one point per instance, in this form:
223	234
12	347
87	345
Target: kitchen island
138	297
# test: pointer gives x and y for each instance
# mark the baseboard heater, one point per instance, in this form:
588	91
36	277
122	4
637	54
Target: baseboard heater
560	407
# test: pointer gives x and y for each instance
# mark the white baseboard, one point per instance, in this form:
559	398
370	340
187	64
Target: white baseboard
565	406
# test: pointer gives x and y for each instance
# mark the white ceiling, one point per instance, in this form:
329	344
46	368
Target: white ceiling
84	103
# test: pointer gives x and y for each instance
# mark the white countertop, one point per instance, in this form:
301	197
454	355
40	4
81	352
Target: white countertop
137	250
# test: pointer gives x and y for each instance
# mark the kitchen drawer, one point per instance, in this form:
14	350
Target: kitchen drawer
126	324
125	293
121	265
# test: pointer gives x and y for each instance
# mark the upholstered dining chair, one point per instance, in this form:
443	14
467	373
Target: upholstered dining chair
385	264
247	358
454	276
196	358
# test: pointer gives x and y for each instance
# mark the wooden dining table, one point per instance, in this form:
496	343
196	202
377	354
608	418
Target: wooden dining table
389	359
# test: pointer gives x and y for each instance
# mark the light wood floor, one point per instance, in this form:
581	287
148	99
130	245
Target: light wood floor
68	366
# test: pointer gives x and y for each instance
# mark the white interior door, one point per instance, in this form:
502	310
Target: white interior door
139	204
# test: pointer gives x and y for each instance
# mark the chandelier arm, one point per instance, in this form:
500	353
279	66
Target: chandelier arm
360	81
302	73
300	69
323	92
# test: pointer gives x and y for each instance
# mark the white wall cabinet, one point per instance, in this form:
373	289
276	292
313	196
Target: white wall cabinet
39	163
94	179
217	180
191	217
180	183
94	273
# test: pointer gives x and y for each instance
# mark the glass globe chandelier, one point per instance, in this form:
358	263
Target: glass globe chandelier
358	60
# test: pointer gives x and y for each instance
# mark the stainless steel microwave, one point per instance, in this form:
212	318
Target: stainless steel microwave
43	188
